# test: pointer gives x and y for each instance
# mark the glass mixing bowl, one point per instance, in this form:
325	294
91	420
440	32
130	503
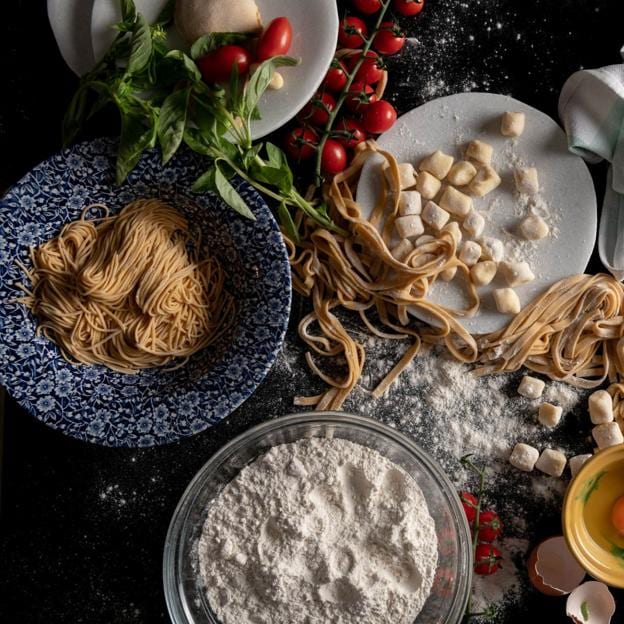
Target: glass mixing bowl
186	598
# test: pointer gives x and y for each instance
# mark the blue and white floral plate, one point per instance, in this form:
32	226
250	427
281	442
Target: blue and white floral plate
155	406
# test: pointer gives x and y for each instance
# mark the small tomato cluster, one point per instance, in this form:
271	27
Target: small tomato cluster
352	81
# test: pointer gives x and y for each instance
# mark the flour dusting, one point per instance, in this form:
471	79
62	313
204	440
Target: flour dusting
319	531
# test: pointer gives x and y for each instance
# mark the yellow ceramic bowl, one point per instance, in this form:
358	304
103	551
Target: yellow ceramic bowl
587	527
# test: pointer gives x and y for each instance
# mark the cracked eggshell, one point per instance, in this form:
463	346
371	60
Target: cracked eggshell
553	570
590	603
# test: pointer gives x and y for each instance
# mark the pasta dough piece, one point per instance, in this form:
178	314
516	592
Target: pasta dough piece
531	387
474	224
533	227
526	180
512	124
551	462
549	415
453	228
402	250
437	164
507	301
461	173
277	81
576	463
448	274
480	152
194	18
409	227
493	249
483	273
410	203
516	273
600	407
455	202
608	434
434	216
424	239
523	457
428	185
407	175
484	182
470	253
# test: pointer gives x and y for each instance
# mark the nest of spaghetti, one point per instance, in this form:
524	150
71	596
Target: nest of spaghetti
572	333
128	291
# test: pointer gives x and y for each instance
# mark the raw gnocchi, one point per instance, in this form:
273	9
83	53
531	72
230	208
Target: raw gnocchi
474	223
434	216
461	173
428	185
480	152
551	462
512	124
455	202
483	273
484	182
534	227
507	301
516	273
409	227
437	164
470	253
410	203
527	180
523	457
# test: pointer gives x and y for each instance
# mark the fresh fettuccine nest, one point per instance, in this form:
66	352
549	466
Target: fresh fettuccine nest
570	333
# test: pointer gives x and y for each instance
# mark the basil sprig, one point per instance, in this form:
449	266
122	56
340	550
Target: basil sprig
163	101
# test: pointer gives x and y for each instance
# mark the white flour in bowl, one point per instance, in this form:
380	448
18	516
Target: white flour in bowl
319	531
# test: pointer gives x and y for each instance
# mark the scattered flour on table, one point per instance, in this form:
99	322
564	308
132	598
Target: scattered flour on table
319	531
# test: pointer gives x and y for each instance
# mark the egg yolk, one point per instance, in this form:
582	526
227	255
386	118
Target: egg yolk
617	515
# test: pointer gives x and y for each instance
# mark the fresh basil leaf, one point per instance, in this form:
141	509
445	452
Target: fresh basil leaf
138	132
286	221
141	47
206	182
276	156
230	195
207	43
177	66
128	11
165	17
172	121
260	79
280	177
194	139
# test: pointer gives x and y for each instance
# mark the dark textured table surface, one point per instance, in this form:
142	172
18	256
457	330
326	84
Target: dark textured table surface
82	526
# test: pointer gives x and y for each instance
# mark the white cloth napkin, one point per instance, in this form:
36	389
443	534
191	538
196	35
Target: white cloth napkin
591	107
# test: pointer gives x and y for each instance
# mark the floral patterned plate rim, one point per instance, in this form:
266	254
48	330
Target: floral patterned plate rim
155	406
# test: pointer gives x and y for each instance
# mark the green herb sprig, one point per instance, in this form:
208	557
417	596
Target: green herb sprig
162	100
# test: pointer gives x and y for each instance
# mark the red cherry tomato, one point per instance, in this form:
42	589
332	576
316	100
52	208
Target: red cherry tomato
389	39
216	66
352	32
368	7
349	132
370	71
490	526
316	111
359	96
275	39
487	559
333	158
300	143
469	503
336	77
408	7
379	117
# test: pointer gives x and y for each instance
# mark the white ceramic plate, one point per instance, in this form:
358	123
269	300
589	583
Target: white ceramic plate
315	30
566	188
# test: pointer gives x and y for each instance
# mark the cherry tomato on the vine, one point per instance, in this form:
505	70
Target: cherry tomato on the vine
300	143
379	117
408	7
317	110
487	559
469	503
216	66
275	39
389	39
349	132
352	32
333	158
359	96
336	77
371	70
490	526
368	7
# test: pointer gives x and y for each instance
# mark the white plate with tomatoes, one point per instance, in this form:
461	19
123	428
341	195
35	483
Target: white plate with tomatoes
314	27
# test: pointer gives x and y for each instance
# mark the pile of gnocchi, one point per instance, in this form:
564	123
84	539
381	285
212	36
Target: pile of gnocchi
606	432
440	196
